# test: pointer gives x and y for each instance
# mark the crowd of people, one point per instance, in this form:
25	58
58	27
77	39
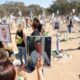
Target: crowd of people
38	57
6	52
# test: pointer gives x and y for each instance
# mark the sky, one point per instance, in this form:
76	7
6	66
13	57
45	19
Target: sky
42	3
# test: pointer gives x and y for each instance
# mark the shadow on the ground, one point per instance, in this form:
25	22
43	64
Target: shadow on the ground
63	40
72	49
74	38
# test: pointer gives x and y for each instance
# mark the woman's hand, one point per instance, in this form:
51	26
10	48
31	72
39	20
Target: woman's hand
18	37
39	63
39	69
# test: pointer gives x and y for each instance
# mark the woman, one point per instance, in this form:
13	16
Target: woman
20	40
37	28
70	26
7	70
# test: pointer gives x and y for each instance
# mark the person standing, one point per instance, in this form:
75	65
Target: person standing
20	40
56	22
37	28
70	26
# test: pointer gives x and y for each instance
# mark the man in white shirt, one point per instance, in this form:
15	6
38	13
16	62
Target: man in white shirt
39	53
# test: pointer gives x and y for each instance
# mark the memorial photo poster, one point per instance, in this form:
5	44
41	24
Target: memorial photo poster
34	44
5	35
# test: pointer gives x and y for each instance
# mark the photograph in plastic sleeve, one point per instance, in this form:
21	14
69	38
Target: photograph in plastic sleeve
5	33
38	47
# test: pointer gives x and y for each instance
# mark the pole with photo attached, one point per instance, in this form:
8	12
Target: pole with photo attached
57	42
27	52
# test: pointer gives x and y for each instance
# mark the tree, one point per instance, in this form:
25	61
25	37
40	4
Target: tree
36	9
64	6
14	7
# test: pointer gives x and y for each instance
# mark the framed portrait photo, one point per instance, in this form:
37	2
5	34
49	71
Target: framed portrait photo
5	35
39	46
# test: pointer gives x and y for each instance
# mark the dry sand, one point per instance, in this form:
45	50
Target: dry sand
68	69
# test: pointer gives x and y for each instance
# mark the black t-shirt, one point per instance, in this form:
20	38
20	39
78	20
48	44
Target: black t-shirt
1	46
40	28
21	35
35	33
70	24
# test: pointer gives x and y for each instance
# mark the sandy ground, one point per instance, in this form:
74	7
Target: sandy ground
68	69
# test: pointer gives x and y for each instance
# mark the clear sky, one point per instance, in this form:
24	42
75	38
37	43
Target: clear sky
42	3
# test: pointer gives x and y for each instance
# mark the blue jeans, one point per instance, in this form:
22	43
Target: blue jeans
22	51
69	28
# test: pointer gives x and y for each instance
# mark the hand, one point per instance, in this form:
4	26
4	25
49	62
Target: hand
39	69
18	37
39	63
